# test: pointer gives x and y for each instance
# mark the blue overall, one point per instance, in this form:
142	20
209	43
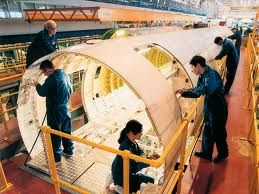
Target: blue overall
229	50
57	90
238	37
42	45
135	179
215	111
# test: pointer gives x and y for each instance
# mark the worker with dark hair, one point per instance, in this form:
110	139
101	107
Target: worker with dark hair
248	31
238	37
229	50
127	141
44	43
215	109
57	89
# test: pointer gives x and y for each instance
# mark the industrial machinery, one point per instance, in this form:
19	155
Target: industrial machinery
123	79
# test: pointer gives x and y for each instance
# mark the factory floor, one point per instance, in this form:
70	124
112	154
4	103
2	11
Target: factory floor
236	174
22	181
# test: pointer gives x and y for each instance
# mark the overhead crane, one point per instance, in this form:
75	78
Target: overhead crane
106	14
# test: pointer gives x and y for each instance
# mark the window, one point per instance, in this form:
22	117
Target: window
40	6
50	6
14	9
29	5
60	6
97	73
3	10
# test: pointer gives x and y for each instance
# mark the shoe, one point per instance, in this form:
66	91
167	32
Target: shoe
58	163
67	155
220	159
203	155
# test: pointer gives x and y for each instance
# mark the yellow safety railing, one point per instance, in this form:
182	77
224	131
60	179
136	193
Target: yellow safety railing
20	49
11	72
3	111
126	155
9	65
5	184
252	59
22	66
255	28
252	105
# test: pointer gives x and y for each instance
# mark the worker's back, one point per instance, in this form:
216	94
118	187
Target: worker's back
42	45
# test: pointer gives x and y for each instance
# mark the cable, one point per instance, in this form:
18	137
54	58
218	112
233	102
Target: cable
35	140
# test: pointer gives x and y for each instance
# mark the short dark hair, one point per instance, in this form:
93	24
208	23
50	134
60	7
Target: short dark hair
218	39
234	28
197	59
47	64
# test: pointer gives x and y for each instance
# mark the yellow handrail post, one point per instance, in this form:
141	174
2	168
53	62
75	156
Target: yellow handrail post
6	137
257	186
126	172
54	174
252	69
252	99
182	158
255	27
6	185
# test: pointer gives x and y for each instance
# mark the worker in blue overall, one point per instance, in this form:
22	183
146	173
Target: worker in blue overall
57	89
238	37
44	43
215	109
229	50
127	141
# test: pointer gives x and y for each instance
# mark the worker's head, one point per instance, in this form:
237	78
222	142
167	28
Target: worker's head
198	64
234	29
51	27
47	68
219	41
132	130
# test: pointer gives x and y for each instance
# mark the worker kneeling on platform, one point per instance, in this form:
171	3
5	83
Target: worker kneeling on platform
215	109
132	132
57	89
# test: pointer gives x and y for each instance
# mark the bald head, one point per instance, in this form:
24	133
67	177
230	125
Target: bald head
51	27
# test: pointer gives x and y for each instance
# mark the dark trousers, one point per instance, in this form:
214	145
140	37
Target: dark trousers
215	126
29	60
68	146
238	50
211	136
137	179
231	72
